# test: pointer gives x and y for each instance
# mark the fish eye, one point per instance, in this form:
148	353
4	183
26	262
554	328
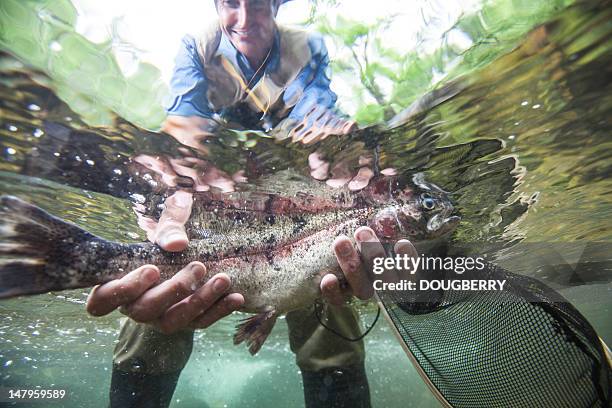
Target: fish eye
428	202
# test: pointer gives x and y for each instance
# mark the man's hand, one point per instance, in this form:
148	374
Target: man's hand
182	301
328	125
341	172
356	265
178	303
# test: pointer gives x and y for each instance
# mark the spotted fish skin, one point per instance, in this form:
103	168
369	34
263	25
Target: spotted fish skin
269	273
274	248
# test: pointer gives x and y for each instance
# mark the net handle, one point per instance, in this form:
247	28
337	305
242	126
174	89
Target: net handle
606	350
434	390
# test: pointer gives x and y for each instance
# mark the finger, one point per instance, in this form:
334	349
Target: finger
239	177
170	233
352	267
296	133
190	130
147	224
178	207
337	182
315	160
405	247
304	133
340	175
389	171
180	315
361	180
330	288
365	160
103	299
222	308
283	129
315	136
154	302
369	246
187	169
219	179
318	166
161	167
326	126
321	172
349	126
318	129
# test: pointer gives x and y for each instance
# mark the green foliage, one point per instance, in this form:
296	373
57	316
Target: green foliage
384	80
370	113
495	29
84	74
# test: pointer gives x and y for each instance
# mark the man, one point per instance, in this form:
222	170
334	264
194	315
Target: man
246	70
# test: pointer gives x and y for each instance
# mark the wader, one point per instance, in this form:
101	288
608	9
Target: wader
147	363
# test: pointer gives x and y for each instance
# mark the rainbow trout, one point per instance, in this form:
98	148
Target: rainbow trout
275	248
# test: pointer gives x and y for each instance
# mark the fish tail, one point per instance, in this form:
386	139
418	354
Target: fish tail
39	252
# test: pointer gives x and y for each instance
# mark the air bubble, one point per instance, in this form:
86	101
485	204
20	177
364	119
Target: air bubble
138	198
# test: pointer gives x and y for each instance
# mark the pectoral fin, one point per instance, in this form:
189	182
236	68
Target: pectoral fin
255	330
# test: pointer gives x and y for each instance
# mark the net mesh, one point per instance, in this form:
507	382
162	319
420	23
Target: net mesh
524	346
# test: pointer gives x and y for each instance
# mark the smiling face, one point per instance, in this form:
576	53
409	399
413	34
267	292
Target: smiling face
250	26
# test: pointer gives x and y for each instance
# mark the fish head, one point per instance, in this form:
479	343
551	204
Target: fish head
420	211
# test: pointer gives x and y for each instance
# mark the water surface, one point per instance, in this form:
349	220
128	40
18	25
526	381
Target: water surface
523	145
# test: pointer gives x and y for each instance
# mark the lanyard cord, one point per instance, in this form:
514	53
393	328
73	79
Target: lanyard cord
317	310
248	85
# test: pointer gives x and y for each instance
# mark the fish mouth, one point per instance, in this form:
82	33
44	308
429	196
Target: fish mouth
440	225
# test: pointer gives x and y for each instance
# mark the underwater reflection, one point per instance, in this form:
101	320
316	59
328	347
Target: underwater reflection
527	133
129	162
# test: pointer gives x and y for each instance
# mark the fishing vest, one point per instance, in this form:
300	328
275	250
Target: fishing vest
227	87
